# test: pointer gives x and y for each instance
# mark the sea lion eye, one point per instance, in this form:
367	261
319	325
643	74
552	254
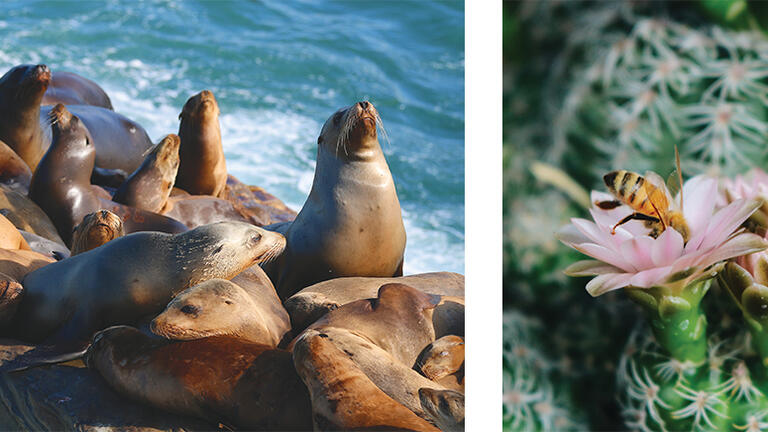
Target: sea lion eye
256	238
229	302
190	310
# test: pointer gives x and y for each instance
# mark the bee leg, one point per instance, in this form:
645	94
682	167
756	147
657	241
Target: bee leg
634	216
608	205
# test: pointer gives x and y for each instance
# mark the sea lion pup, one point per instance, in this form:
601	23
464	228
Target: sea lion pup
14	172
351	223
442	361
129	278
96	229
312	302
10	237
150	185
21	91
61	184
221	379
446	407
343	397
202	170
72	89
218	307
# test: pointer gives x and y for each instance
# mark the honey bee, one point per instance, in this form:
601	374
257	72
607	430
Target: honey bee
649	198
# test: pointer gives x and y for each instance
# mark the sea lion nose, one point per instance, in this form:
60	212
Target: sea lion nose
364	105
104	213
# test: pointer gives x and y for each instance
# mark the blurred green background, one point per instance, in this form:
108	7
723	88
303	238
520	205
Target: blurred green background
590	87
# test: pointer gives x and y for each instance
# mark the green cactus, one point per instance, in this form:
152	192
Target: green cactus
664	84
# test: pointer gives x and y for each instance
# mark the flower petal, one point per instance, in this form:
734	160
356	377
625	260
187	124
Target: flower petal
590	268
741	244
595	233
606	255
607	282
726	220
650	277
698	202
667	248
637	251
570	235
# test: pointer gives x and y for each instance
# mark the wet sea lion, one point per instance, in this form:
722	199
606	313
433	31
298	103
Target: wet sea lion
131	277
202	170
21	92
150	185
61	184
96	229
351	223
120	142
72	89
14	172
196	210
221	379
445	407
218	307
312	302
10	237
343	397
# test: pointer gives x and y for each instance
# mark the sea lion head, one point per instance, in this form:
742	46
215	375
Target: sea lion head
96	229
25	84
165	156
351	132
68	131
214	307
201	107
230	247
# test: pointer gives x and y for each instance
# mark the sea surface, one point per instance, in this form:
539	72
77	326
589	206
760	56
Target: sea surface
279	69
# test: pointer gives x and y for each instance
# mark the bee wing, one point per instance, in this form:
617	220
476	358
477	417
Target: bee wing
657	192
674	187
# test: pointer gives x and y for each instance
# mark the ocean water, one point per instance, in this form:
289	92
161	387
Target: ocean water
279	69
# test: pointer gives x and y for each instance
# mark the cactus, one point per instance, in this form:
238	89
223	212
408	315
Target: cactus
664	84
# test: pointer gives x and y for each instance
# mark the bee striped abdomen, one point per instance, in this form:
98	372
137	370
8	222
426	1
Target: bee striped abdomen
629	188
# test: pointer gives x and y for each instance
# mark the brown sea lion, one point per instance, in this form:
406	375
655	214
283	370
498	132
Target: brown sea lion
10	297
10	237
150	185
222	379
196	210
18	263
72	89
96	229
343	397
61	184
445	407
128	278
257	203
351	223
202	170
21	92
218	307
26	215
120	142
442	361
14	172
314	301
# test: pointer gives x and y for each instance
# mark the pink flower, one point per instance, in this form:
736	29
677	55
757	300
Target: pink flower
632	258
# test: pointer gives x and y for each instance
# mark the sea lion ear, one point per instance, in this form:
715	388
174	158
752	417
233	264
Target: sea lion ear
180	114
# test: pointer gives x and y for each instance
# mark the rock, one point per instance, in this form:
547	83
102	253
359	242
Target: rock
68	396
255	203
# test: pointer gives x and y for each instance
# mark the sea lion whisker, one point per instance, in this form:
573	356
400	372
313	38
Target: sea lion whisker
380	123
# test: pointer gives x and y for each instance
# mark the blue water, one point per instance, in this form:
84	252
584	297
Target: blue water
279	69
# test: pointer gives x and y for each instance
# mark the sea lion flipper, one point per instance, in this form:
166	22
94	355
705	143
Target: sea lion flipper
45	355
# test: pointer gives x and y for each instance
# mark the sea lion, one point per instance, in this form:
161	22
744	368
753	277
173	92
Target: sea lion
18	263
218	307
343	397
10	297
21	92
312	302
196	210
351	223
445	407
120	142
132	277
46	247
14	172
442	361
72	89
96	229
150	185
10	237
61	184
26	215
221	379
202	170
256	203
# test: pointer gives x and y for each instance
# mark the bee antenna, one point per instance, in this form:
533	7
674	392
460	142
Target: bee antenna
679	176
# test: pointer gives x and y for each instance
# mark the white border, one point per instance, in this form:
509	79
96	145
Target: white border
483	192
